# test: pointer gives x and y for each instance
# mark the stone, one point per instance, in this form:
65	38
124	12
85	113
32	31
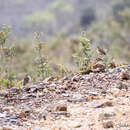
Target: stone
76	125
61	107
124	75
49	79
105	104
106	116
6	128
99	66
52	87
108	124
32	90
122	85
4	93
114	91
112	65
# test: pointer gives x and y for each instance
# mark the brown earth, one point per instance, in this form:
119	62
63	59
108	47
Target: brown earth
94	101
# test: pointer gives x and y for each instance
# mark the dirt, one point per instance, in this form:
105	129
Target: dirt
93	101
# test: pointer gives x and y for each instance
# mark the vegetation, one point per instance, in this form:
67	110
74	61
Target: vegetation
83	57
41	64
63	47
7	52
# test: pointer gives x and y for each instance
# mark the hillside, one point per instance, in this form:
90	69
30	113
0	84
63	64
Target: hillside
14	13
93	101
64	64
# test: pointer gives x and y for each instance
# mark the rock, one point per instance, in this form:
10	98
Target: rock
27	96
22	115
112	65
52	87
4	93
67	114
57	128
8	108
99	66
76	98
32	90
2	115
108	124
93	93
86	72
42	115
91	98
122	85
6	128
114	91
106	116
61	107
76	125
69	85
124	75
75	78
14	90
65	95
25	88
28	129
105	104
49	79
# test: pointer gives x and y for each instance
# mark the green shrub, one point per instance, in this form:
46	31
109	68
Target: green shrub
41	63
120	6
83	56
7	52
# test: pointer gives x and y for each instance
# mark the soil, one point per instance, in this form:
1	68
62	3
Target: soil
92	101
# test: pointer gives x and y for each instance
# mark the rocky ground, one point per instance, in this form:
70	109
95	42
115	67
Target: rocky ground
92	101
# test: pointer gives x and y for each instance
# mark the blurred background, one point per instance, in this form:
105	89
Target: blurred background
106	23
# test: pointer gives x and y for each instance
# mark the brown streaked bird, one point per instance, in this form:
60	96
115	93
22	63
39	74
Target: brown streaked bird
101	51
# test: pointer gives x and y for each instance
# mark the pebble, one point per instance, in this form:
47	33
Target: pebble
32	90
4	93
106	116
108	124
114	91
61	107
124	75
122	85
6	128
52	87
105	104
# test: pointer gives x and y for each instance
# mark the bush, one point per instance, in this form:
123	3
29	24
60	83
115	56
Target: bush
7	76
120	6
42	68
83	56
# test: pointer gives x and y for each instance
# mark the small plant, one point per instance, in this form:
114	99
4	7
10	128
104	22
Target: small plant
63	71
42	68
83	57
7	52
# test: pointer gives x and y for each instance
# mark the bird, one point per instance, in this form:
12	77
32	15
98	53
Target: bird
101	51
26	80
